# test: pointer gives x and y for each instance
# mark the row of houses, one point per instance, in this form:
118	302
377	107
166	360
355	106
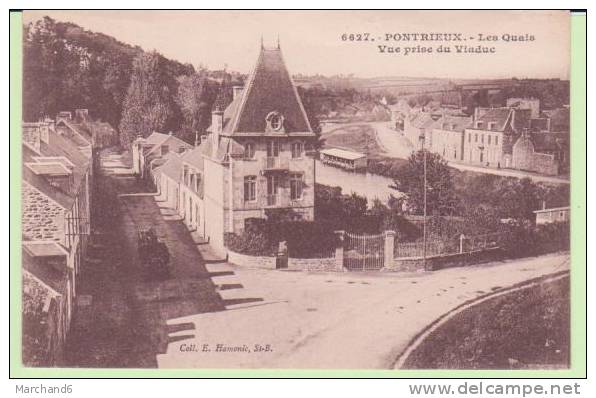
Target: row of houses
57	179
255	162
517	136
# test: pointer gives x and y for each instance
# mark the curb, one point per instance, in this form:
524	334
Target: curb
440	321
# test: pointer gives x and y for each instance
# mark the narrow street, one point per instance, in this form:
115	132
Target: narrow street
121	313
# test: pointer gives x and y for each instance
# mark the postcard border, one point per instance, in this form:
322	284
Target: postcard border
578	368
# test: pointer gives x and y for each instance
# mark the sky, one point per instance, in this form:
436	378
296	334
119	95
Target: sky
312	43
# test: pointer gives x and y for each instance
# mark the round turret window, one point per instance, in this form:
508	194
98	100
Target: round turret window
275	121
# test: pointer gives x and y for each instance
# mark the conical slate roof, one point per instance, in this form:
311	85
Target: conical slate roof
269	89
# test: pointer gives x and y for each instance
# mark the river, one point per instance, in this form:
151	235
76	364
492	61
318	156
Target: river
371	186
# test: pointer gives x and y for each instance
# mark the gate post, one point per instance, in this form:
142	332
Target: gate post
339	251
389	246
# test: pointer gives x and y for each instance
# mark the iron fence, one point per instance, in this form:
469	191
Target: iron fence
440	247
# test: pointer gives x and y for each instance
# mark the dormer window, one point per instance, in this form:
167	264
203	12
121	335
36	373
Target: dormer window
275	121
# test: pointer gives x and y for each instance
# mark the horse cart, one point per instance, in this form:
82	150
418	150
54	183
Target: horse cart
153	253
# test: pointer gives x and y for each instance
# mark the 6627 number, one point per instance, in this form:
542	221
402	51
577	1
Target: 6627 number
355	37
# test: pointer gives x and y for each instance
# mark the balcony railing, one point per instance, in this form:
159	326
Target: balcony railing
275	163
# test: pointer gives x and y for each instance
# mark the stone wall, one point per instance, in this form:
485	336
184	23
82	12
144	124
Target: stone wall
314	264
525	158
523	153
42	218
44	321
296	264
545	164
251	261
416	264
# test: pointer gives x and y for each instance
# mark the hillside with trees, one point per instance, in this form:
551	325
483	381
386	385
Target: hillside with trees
67	67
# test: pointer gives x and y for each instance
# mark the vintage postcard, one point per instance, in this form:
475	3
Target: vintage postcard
327	190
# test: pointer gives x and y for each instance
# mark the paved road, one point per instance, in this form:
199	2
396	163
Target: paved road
394	143
339	320
397	145
125	323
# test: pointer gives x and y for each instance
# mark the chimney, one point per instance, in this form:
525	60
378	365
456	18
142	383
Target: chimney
216	121
513	112
44	132
35	139
237	90
81	115
479	112
216	127
64	115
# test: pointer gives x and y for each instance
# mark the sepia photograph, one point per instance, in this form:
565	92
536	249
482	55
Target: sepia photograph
366	190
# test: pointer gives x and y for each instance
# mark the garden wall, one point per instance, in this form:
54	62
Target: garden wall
251	261
296	264
315	264
444	261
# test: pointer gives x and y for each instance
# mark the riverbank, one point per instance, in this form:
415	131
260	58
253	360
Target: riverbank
387	150
359	137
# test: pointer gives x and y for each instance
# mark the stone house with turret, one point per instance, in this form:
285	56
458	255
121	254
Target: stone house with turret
256	161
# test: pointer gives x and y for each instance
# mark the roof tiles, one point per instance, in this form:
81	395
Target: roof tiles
269	88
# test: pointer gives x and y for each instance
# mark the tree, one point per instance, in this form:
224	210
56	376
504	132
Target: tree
66	67
195	97
440	191
148	103
516	199
49	69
